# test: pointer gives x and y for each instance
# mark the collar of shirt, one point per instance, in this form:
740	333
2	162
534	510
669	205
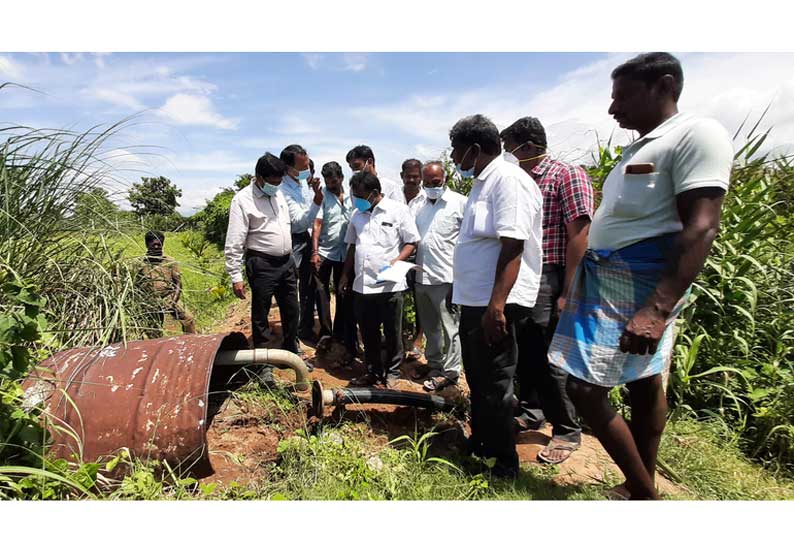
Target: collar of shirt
673	122
384	205
540	170
490	168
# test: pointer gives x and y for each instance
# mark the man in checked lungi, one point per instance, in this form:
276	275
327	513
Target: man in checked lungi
648	241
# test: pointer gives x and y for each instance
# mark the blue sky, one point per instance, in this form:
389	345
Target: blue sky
203	118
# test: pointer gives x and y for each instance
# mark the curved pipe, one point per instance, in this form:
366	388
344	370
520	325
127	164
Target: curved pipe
261	356
343	396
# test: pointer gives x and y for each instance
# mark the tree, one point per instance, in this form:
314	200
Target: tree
154	196
243	180
94	207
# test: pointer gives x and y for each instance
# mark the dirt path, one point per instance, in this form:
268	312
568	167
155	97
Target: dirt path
243	440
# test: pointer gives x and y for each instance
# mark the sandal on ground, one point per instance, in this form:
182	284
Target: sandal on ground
437	383
557	444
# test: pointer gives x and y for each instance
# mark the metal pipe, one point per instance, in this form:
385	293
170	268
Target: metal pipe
343	396
271	356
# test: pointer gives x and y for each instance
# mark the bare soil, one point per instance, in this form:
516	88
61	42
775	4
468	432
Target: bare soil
242	437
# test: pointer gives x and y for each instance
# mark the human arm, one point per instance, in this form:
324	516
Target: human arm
318	225
236	234
575	193
574	251
699	210
347	270
409	236
301	218
176	280
507	266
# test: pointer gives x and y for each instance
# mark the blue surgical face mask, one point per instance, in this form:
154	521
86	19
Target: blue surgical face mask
363	205
304	175
266	189
434	192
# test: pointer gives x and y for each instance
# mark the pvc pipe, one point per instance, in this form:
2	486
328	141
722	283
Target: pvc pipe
271	356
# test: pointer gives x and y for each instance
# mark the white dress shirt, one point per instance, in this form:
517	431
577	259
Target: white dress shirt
258	223
300	200
379	235
417	202
438	225
504	202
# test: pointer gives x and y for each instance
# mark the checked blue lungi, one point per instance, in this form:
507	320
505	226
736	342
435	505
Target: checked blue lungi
609	287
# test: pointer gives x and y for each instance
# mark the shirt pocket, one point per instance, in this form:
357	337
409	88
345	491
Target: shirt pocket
385	234
636	195
482	222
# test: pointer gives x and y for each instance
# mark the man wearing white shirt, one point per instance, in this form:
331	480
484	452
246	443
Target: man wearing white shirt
297	186
496	271
361	158
438	222
260	230
381	232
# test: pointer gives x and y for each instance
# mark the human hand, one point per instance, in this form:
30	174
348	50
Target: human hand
561	304
494	325
316	261
643	331
239	289
314	184
344	286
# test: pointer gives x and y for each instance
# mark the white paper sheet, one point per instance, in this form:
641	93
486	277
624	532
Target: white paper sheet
396	272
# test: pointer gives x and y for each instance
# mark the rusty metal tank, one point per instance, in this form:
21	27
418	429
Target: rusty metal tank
149	396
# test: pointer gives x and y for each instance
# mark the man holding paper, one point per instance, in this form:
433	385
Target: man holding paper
381	233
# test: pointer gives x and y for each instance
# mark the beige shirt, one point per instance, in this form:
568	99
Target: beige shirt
258	223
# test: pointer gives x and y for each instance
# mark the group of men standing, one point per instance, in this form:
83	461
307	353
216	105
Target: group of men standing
522	281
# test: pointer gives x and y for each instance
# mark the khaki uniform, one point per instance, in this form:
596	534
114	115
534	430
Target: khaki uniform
164	280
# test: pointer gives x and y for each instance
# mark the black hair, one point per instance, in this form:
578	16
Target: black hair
332	169
290	152
366	179
151	235
476	129
525	129
270	165
411	163
650	67
362	152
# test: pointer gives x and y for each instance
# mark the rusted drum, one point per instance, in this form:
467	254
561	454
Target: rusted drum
149	396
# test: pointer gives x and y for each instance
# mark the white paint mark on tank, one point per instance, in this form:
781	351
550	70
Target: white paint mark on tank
156	374
114	388
136	371
109	352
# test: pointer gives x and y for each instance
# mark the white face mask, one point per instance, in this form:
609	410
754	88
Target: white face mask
510	157
434	192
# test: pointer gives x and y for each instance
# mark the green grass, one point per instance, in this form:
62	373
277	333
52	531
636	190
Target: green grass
708	462
206	287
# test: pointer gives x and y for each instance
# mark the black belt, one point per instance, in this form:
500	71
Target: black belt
269	257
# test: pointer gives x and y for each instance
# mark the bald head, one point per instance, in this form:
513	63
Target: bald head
433	174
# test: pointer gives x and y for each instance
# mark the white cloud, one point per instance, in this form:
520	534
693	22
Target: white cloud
195	110
313	60
355	62
10	69
116	97
71	59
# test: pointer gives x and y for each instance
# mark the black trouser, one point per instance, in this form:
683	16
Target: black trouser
489	372
541	386
344	324
301	253
273	276
372	310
